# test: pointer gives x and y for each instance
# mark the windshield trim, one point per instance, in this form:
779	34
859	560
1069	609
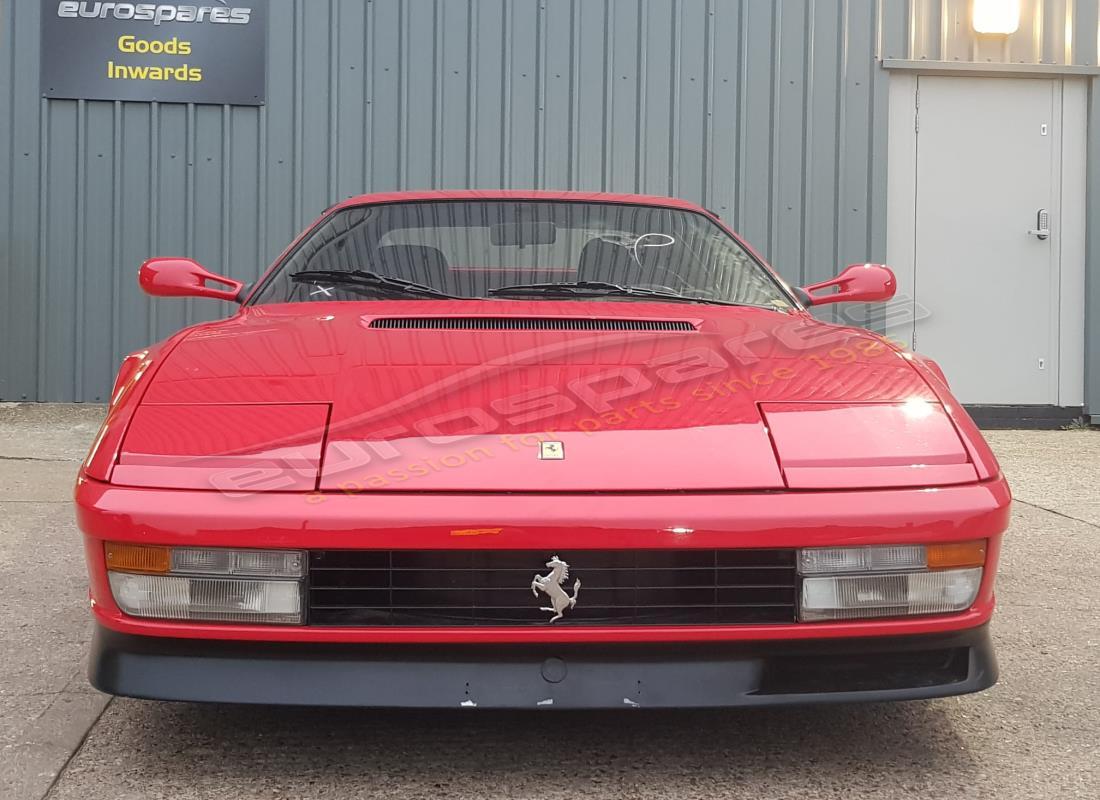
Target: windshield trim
332	211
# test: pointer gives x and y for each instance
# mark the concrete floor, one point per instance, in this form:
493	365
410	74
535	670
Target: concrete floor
1036	734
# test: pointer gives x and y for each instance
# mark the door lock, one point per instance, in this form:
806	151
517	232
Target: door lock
1042	224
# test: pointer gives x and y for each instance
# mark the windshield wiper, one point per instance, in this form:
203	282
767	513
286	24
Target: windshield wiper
365	279
597	288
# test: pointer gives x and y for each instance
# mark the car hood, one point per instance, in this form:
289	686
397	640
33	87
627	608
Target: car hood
536	396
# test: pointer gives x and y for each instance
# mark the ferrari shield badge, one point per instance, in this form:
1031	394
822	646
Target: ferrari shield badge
551	451
551	585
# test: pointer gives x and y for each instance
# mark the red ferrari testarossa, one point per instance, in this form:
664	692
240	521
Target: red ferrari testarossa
535	450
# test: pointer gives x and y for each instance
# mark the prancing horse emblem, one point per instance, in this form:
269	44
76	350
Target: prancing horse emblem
550	585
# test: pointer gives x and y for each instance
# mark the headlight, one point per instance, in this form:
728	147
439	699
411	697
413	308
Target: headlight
207	583
222	561
889	580
836	560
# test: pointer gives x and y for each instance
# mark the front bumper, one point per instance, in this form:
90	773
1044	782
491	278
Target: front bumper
547	675
547	523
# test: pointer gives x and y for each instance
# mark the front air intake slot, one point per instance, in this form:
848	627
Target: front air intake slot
530	324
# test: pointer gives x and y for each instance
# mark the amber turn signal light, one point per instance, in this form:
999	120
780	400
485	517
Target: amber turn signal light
136	557
956	554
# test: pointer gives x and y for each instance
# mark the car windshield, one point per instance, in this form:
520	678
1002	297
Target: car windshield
511	250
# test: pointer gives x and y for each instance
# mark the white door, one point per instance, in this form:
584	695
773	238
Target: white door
987	167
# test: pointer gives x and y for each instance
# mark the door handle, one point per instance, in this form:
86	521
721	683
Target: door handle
1042	224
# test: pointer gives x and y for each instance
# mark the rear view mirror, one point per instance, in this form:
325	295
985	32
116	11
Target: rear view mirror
522	234
859	283
185	277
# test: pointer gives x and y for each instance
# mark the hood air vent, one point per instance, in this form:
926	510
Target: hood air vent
530	324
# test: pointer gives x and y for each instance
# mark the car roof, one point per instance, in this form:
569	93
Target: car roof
519	194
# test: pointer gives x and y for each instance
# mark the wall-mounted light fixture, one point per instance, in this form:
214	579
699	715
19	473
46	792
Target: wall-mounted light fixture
996	16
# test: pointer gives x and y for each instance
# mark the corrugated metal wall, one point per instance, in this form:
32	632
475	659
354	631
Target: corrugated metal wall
772	114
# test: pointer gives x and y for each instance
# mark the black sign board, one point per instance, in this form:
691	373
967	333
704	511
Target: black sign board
213	51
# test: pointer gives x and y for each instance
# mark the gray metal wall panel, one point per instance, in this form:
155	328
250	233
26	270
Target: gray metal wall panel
1086	17
1092	257
772	114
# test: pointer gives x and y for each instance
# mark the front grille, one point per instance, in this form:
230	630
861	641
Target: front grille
493	587
530	324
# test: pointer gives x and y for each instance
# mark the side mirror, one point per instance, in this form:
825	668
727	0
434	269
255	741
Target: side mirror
858	283
185	277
